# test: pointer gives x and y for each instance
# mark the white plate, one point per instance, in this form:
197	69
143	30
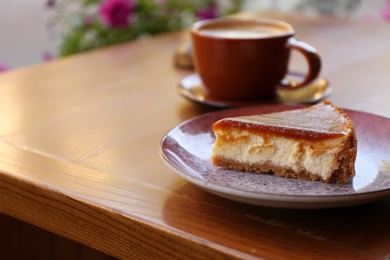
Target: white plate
187	150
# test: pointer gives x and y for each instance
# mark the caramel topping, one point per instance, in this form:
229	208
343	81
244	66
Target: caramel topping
318	122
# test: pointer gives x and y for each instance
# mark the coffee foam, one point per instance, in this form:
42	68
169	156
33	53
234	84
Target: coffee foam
242	31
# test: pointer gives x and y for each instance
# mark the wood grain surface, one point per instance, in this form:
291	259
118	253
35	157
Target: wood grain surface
79	154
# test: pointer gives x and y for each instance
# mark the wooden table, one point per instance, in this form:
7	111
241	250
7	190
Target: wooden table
79	156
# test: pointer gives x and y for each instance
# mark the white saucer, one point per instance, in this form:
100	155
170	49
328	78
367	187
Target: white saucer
192	88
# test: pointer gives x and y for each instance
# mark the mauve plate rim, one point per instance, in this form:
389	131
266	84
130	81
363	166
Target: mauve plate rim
267	199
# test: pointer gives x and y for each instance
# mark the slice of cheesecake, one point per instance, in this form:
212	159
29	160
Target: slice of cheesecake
313	143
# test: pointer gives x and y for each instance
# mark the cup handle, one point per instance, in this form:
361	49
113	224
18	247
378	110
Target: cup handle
312	58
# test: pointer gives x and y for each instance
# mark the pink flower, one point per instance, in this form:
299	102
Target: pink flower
208	13
89	19
117	13
386	13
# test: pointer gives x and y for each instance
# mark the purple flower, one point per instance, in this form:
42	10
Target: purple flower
47	56
207	13
116	13
50	3
3	67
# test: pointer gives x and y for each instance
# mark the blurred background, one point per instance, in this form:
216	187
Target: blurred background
28	36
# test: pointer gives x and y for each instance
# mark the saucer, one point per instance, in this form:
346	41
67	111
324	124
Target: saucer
192	88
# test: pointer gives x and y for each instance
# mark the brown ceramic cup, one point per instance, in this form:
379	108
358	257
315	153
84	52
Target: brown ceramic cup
248	59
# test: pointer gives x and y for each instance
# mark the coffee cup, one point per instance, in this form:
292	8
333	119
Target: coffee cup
247	59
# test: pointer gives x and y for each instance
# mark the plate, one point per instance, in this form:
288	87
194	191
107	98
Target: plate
187	149
192	88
